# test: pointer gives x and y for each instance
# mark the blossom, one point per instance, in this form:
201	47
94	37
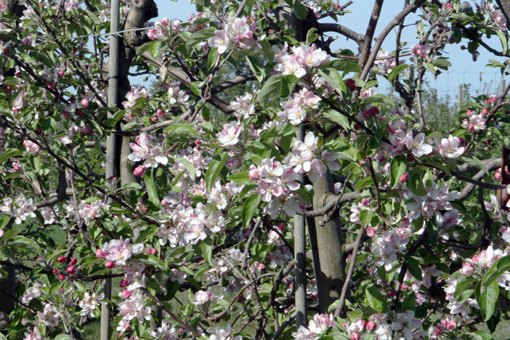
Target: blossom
142	150
220	40
31	147
219	333
89	303
120	251
406	323
229	136
450	147
416	144
420	50
385	60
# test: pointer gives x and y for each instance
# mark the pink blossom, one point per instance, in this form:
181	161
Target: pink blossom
31	147
220	40
420	50
450	147
229	136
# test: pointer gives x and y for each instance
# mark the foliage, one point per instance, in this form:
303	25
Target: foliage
256	127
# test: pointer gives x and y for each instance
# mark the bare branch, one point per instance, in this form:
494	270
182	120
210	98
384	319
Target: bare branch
345	288
334	27
380	39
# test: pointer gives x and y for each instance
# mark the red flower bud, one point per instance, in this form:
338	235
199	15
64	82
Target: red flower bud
71	269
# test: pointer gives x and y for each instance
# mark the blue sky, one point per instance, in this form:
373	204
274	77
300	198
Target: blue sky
463	69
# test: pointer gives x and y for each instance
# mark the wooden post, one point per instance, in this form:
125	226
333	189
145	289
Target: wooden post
285	13
111	146
459	98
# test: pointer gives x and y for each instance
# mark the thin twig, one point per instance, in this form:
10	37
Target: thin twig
345	288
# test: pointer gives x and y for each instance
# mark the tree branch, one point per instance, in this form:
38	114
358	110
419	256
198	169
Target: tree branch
334	27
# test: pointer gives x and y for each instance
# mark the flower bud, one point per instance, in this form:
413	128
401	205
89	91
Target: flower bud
467	269
61	259
109	264
371	326
61	277
403	179
355	336
84	103
364	202
124	283
125	294
139	171
99	253
74	261
370	232
351	84
71	269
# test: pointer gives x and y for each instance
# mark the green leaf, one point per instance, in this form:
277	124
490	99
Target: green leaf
154	49
409	302
132	185
151	261
250	207
472	160
267	49
334	79
4	221
365	217
413	265
441	63
487	296
258	70
397	169
497	269
396	71
271	88
207	250
504	42
338	118
364	183
21	242
346	66
214	170
200	36
62	337
195	88
148	178
187	164
242	177
311	36
300	10
463	283
289	82
375	300
181	130
9	154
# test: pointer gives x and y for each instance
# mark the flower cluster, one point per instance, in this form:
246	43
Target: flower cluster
243	106
91	211
20	208
89	303
388	245
385	60
236	31
306	158
144	151
433	203
118	252
296	108
319	324
301	61
135	93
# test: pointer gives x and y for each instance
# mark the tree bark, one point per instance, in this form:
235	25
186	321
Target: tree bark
330	264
